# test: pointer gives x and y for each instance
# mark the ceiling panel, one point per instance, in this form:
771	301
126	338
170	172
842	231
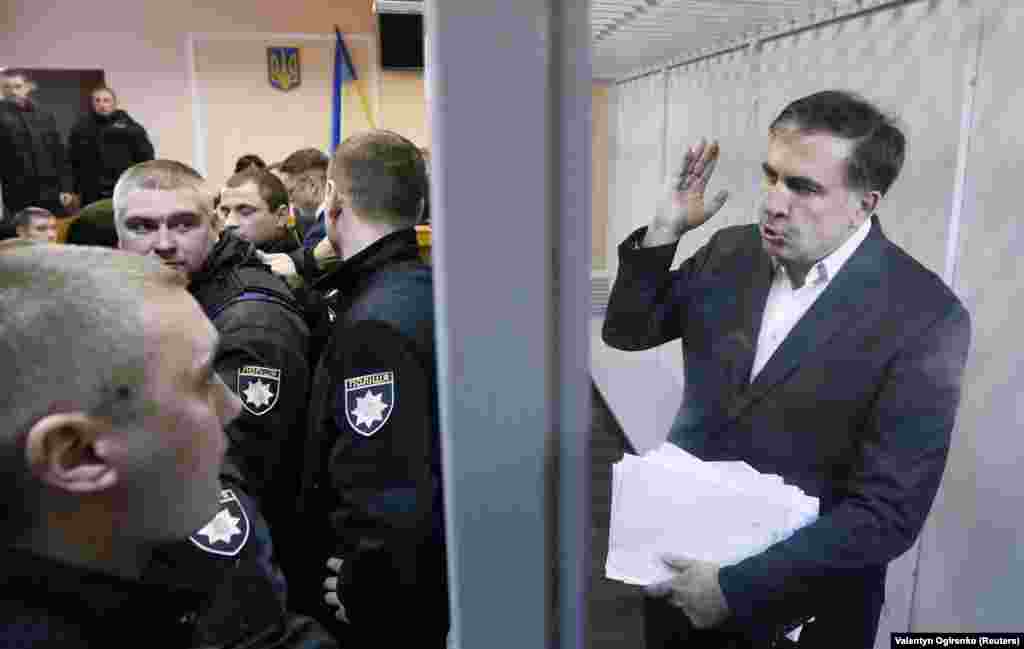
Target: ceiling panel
631	35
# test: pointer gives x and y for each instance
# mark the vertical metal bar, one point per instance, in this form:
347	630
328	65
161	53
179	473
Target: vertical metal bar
493	183
572	92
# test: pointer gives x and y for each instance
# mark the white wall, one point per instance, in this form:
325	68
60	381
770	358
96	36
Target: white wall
141	46
917	61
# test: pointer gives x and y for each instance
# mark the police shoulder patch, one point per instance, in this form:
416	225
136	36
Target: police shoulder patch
227	532
258	388
369	401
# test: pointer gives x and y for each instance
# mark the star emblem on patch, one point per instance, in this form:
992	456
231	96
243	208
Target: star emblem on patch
370	408
259	388
369	401
222	528
258	394
227	532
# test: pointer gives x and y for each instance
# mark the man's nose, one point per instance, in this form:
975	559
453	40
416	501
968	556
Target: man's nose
775	201
231	221
164	240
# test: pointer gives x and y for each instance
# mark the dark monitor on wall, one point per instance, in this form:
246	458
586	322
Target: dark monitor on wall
401	41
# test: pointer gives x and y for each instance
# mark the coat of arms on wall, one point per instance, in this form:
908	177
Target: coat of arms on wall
283	68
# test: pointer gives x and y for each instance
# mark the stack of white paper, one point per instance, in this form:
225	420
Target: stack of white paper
670	502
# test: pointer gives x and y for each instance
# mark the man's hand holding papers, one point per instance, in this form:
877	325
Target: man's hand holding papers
694	589
669	502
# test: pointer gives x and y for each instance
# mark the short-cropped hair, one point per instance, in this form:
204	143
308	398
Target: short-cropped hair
384	175
249	160
161	175
305	160
71	340
878	144
23	218
104	88
271	189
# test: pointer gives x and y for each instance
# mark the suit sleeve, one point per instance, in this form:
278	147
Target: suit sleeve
887	496
380	465
647	302
264	362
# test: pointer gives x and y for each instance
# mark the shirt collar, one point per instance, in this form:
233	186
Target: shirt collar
826	268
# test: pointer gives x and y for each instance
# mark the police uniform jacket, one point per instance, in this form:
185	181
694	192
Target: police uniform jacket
855	407
48	603
288	243
263	358
33	168
372	483
100	148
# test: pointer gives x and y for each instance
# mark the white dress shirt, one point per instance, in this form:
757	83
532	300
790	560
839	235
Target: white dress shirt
786	304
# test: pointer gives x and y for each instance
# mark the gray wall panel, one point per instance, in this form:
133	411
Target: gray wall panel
972	560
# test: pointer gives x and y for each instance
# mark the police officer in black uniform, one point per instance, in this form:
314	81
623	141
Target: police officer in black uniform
111	443
372	479
163	207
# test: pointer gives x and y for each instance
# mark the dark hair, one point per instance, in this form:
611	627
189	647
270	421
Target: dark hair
23	218
385	176
878	145
249	160
304	160
272	190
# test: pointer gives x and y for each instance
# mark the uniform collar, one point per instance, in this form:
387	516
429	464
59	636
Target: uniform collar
80	593
396	247
229	251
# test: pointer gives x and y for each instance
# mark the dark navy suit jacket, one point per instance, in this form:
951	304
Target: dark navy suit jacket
856	407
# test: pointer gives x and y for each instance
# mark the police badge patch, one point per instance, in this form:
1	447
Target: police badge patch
369	401
258	388
228	531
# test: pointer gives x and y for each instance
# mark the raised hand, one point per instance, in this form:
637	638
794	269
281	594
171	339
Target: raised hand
684	208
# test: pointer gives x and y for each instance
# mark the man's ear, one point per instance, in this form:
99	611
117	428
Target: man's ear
282	215
869	202
61	451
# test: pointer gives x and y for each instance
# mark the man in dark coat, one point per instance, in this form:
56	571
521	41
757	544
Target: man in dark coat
33	167
102	144
164	208
815	349
371	490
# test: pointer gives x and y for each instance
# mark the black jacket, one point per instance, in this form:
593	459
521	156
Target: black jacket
290	242
372	477
100	148
46	603
33	169
263	358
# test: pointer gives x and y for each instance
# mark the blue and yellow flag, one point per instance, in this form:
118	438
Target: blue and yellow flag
344	73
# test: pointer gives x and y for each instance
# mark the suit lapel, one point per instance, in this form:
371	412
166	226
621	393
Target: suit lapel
841	302
751	298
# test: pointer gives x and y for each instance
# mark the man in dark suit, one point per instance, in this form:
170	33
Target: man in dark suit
814	348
